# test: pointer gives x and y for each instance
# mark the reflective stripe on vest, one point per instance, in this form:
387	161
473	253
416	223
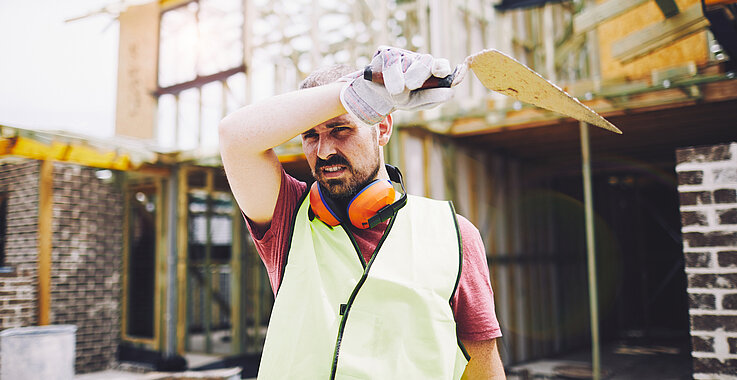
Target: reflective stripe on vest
395	321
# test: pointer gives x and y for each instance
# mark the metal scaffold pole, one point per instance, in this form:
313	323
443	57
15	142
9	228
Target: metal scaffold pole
590	251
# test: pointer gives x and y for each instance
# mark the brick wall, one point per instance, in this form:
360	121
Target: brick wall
87	261
707	183
18	289
86	264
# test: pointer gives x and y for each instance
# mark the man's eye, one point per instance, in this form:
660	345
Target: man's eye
340	129
309	135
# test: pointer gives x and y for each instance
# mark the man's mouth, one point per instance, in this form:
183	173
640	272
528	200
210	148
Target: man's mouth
332	171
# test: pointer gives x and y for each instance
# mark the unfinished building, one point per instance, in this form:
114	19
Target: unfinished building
665	231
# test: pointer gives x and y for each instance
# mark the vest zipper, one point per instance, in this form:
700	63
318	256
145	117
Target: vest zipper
363	278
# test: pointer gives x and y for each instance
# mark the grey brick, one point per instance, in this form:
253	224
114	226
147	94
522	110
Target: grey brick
725	196
714	366
703	154
710	239
727	216
729	301
702	301
695	177
697	259
727	259
713	322
691	218
717	281
702	344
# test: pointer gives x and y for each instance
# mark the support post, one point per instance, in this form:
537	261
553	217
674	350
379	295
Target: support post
160	265
236	282
182	218
45	214
207	320
170	308
590	251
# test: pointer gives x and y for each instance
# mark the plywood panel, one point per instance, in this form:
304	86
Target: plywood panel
690	49
137	71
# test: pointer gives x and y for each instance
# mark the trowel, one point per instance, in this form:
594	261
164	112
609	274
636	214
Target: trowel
504	74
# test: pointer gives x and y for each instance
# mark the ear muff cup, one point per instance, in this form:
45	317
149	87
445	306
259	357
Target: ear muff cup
369	201
320	207
366	204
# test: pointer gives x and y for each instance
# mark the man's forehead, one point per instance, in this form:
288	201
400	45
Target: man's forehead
337	121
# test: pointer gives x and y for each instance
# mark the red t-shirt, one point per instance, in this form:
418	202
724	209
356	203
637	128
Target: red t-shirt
473	302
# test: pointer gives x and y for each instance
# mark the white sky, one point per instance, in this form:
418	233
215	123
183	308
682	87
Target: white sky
56	75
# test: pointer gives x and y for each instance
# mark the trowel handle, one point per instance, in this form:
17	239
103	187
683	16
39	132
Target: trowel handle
432	82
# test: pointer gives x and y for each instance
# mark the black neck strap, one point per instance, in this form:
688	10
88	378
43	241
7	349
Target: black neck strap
389	210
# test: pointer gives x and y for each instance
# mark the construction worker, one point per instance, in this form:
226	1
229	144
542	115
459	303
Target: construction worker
370	283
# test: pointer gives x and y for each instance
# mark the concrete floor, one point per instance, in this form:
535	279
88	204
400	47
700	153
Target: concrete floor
619	362
127	371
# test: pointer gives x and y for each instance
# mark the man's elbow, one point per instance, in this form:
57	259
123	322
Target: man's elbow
233	131
226	129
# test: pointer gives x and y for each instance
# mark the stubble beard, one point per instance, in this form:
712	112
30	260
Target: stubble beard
346	189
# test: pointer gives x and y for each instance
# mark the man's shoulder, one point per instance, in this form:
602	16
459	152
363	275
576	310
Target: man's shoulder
465	224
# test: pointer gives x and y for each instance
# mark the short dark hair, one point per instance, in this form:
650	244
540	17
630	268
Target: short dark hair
326	75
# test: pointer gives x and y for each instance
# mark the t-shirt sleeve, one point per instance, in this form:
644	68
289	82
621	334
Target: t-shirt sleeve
271	241
473	302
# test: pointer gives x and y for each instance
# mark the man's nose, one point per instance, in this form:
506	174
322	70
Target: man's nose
325	148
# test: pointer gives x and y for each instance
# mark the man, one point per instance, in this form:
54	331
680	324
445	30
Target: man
392	301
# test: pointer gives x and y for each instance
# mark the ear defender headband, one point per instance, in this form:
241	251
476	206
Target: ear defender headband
371	206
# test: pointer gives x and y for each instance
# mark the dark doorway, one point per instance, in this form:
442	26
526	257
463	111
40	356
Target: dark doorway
141	264
640	268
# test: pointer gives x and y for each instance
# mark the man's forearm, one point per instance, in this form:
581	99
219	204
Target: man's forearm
248	135
261	126
485	362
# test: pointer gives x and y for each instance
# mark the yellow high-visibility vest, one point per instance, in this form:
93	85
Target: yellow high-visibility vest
338	317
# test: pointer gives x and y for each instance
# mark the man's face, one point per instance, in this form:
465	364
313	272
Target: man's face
343	155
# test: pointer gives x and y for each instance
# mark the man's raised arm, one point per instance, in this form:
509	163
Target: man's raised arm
248	136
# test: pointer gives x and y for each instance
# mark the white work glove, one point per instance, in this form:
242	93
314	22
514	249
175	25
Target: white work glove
404	72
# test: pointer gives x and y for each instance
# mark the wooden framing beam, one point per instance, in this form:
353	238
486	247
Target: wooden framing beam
199	81
207	320
572	44
45	215
237	290
182	212
160	265
661	34
592	16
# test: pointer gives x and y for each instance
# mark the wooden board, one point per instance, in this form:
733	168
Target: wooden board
649	39
591	16
690	49
137	71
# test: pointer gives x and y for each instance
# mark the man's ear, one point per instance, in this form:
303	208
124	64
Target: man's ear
385	130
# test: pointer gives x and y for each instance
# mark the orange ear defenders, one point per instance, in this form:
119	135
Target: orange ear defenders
371	206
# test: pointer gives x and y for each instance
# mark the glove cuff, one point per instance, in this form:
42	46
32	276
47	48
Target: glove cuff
367	101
